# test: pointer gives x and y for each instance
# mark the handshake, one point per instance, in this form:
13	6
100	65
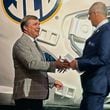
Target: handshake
63	64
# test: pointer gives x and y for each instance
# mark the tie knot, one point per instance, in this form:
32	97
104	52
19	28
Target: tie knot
35	42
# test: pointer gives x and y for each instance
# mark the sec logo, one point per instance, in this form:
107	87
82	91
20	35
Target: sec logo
43	9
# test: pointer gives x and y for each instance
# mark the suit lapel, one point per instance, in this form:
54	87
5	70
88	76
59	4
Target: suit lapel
33	46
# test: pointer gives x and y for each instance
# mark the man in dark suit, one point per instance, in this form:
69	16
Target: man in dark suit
95	61
31	83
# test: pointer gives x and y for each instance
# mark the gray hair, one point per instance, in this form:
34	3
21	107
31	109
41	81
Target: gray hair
24	21
99	7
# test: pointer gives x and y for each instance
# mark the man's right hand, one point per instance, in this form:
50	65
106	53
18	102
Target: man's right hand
62	65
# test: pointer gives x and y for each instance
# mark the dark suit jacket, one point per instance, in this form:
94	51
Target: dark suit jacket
95	61
31	79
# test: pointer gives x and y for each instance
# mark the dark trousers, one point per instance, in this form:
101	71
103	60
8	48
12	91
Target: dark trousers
92	101
29	104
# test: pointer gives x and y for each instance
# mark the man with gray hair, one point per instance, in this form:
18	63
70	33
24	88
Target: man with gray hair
31	83
95	61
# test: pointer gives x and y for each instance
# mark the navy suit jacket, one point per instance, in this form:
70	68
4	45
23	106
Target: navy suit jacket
95	61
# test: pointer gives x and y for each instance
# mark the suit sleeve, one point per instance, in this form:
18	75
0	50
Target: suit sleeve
102	58
51	81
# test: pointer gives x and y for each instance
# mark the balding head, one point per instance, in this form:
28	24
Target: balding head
99	7
97	13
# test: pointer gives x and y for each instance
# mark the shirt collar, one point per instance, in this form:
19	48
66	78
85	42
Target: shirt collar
32	39
102	23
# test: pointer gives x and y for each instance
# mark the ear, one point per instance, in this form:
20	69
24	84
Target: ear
96	13
25	28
